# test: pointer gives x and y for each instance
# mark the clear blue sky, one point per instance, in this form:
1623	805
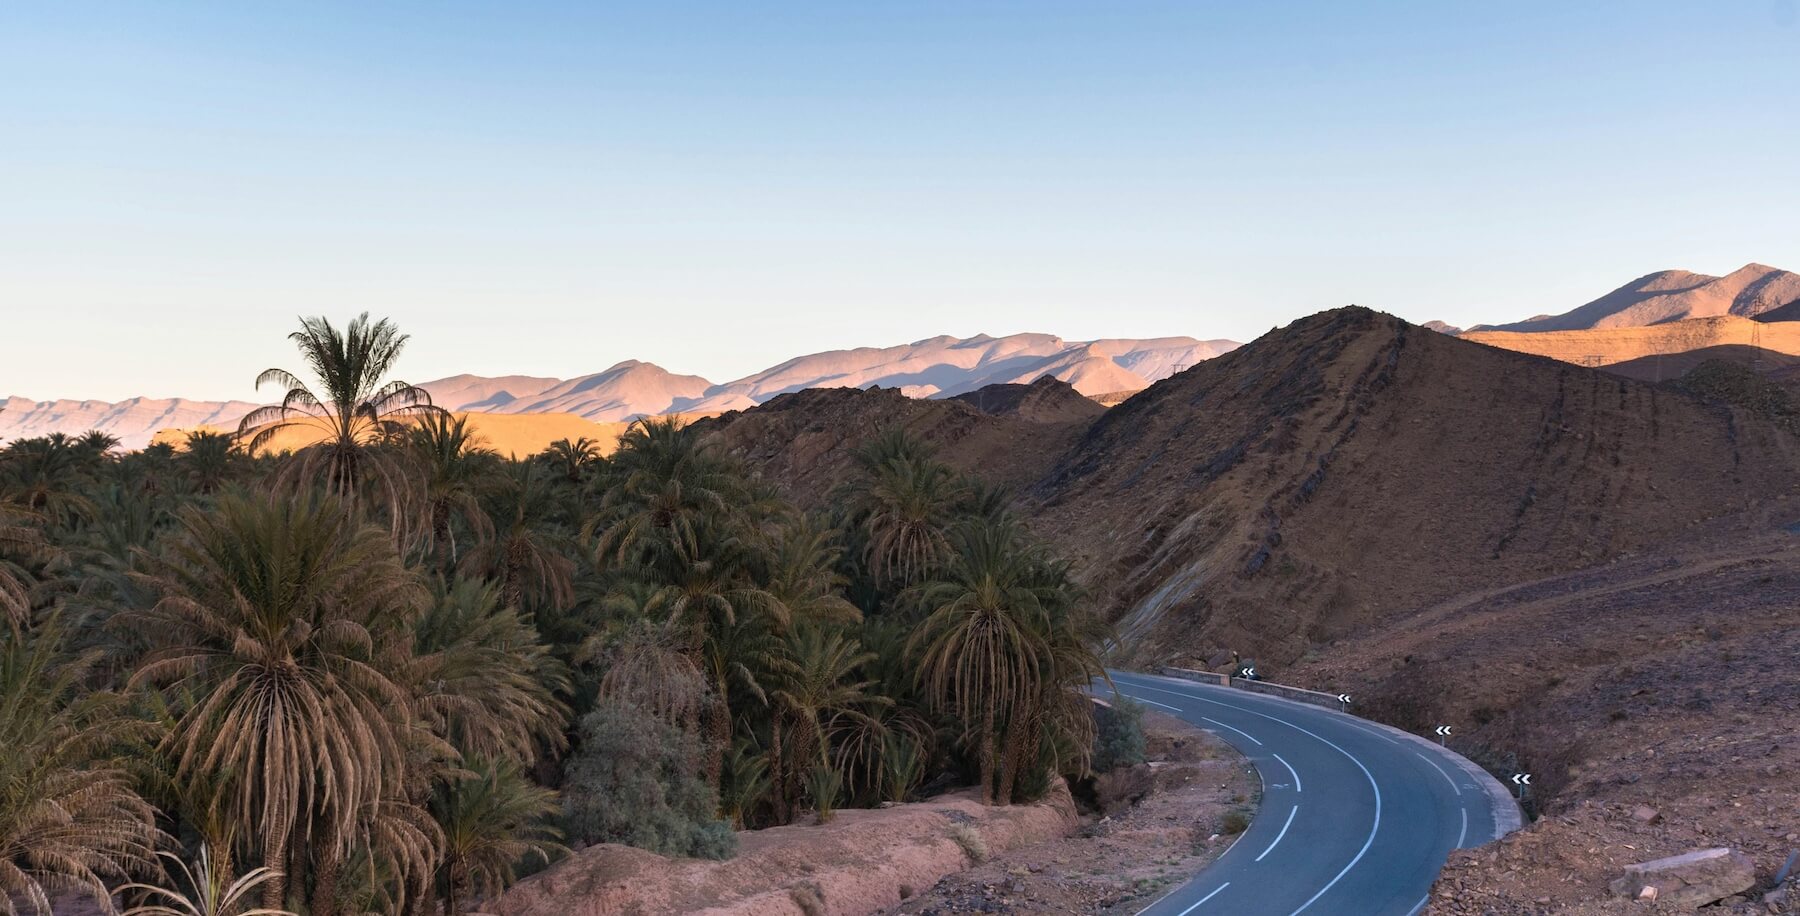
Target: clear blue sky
550	188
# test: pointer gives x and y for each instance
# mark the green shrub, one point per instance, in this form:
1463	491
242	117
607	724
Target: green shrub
1234	822
824	785
635	779
1118	735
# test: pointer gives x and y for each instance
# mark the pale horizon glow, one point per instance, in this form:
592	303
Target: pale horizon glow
551	188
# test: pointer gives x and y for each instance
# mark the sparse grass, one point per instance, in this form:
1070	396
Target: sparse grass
1234	822
973	846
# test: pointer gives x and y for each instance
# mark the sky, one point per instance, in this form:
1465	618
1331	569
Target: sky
550	188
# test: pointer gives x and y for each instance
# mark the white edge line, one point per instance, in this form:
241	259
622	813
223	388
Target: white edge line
1210	896
1284	827
1150	701
1291	771
1420	905
1453	786
1238	730
1464	832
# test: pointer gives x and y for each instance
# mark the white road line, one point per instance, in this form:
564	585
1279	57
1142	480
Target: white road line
1210	896
1453	786
1291	772
1374	829
1151	702
1290	821
1238	730
1420	905
1464	832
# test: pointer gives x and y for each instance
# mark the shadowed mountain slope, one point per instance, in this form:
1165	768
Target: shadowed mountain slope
1309	484
1305	485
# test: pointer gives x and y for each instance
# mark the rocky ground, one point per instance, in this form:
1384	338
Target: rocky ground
1125	854
1657	698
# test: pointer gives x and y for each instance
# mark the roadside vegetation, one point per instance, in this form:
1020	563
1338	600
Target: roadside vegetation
394	671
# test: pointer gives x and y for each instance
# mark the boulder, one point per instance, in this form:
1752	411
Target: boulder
1693	878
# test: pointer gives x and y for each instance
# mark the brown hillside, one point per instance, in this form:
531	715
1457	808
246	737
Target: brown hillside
1301	487
1307	485
803	441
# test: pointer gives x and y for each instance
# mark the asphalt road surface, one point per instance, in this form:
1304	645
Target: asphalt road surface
1356	818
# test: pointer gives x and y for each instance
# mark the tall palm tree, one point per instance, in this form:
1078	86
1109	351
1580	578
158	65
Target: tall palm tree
669	483
97	443
525	553
45	477
455	466
492	820
982	650
209	459
803	572
21	543
356	407
481	677
574	460
826	683
69	819
908	509
287	620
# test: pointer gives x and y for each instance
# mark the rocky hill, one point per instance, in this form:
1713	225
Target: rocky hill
1307	485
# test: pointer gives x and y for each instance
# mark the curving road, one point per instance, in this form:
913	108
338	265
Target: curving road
1356	817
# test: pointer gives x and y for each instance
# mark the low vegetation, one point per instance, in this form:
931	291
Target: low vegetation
393	671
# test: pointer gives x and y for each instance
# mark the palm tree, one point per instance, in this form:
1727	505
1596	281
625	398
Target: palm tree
482	678
491	821
287	620
209	459
96	443
212	892
574	460
824	686
20	543
45	476
670	483
69	818
525	554
907	512
982	649
356	408
455	465
803	573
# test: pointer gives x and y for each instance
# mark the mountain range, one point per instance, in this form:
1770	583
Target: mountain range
934	367
1673	295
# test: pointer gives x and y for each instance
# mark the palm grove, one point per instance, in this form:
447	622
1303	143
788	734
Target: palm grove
392	671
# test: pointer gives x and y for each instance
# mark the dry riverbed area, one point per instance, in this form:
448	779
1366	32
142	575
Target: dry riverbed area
1144	831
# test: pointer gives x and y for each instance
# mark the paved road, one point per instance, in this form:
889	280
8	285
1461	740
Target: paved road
1356	818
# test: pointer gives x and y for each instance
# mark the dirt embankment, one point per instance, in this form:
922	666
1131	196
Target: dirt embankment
1194	794
858	863
1139	832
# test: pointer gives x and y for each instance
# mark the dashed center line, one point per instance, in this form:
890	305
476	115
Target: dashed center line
1238	730
1284	828
1291	772
1210	896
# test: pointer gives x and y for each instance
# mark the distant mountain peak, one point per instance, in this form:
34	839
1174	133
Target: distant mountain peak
1673	295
